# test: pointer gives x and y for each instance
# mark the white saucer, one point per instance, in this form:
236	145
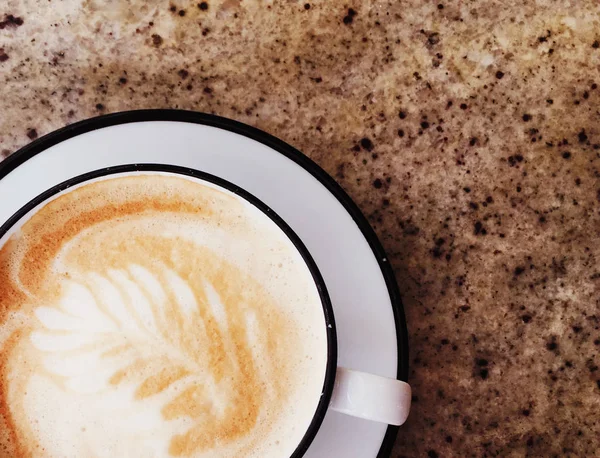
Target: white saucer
367	306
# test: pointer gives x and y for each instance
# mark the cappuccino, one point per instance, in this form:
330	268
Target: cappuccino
155	315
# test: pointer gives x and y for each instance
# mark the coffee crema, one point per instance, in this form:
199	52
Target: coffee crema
155	315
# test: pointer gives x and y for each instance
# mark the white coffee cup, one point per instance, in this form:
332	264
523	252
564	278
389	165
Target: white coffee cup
367	396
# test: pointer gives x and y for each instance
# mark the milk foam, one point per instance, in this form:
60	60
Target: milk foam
156	316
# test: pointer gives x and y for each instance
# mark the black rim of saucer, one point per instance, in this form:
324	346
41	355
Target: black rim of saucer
73	130
330	328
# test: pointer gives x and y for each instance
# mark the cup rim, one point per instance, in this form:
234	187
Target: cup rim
328	315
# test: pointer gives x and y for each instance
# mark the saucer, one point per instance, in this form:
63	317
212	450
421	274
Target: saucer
371	329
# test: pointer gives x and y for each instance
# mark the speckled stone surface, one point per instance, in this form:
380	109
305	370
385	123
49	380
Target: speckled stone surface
467	131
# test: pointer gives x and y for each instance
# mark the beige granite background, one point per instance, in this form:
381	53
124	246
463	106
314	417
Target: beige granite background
467	131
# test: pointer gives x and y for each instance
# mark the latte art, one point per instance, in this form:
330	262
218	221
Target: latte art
155	316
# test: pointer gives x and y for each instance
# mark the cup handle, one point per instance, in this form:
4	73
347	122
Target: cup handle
371	397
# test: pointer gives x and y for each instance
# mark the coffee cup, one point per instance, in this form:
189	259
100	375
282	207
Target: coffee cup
153	310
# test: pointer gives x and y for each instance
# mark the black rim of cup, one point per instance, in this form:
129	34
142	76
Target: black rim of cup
135	169
43	143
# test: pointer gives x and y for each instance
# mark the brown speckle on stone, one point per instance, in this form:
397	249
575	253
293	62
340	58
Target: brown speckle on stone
478	228
366	143
552	345
519	270
350	16
32	134
11	21
157	40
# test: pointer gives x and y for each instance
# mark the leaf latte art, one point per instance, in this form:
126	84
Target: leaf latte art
153	315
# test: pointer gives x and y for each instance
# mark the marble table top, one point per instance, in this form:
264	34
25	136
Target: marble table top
467	131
